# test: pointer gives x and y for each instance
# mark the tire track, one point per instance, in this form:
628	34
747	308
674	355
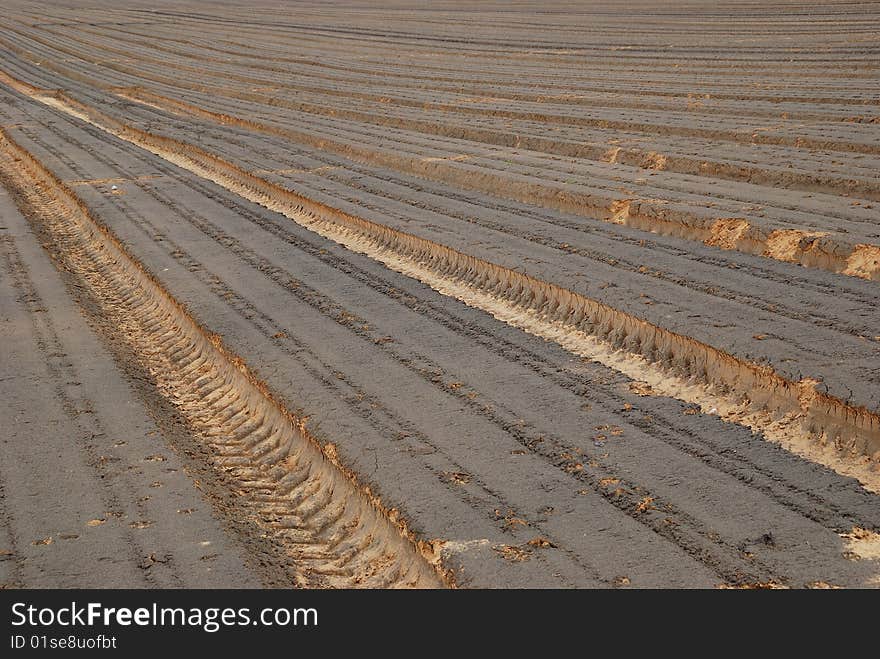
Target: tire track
433	369
596	151
387	182
551	312
791	245
361	183
662	516
576	324
808	248
333	532
359	402
674	525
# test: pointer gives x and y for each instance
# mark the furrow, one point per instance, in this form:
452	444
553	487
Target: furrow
573	79
600	98
168	343
814	250
393	427
808	248
519	137
794	413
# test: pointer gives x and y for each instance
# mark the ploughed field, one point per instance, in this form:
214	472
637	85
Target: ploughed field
531	295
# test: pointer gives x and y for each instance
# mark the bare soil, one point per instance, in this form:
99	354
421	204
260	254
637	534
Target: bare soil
549	296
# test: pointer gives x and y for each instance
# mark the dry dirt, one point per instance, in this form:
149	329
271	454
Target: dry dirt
553	295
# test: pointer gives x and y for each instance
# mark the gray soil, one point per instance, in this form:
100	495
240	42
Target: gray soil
93	491
527	466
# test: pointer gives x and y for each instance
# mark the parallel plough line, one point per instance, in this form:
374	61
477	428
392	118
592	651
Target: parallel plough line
796	414
810	249
793	413
333	531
